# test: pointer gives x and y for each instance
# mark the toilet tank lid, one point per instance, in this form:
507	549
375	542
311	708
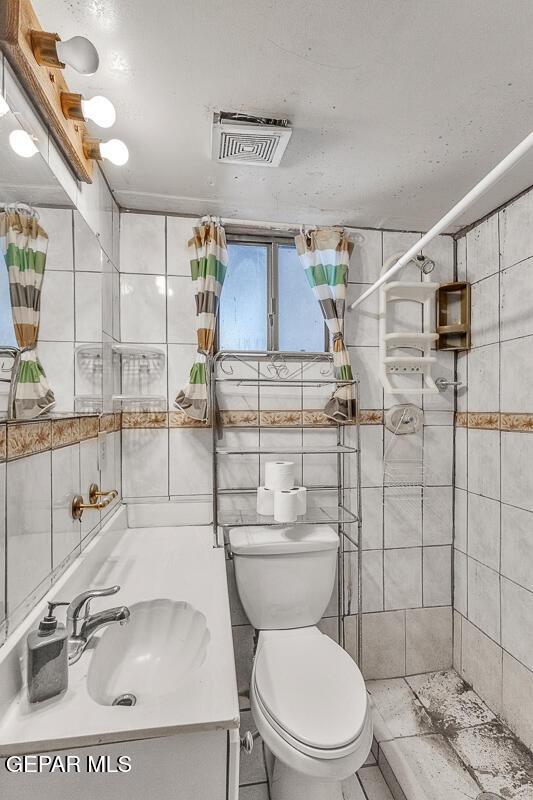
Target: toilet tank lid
266	540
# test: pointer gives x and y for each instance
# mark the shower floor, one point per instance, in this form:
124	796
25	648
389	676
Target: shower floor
437	740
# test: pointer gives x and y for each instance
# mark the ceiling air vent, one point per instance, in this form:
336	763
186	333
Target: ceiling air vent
243	139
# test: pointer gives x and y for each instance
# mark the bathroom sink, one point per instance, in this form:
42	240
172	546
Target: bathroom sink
153	656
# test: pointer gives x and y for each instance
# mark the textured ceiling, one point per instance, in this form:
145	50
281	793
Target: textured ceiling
398	106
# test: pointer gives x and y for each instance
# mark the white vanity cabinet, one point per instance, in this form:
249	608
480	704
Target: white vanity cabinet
191	766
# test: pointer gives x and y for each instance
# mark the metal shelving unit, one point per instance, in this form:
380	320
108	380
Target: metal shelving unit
271	369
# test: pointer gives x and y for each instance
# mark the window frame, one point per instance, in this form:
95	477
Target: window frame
272	242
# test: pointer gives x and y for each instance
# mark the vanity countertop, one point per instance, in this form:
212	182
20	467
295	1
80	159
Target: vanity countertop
179	563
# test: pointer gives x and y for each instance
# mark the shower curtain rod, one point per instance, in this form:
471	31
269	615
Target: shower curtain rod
494	175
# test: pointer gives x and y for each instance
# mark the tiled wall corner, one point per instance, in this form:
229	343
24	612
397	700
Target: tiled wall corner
493	589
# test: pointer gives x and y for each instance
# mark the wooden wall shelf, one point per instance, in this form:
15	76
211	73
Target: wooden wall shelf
453	316
43	84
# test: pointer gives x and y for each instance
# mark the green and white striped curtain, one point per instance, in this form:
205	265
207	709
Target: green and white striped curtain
209	260
24	244
324	254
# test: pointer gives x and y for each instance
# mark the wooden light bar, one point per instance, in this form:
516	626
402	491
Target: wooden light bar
44	84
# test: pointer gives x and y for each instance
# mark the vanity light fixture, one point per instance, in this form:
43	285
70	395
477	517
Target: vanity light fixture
23	143
78	52
114	150
98	108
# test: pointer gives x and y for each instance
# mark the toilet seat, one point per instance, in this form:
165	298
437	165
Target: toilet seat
310	691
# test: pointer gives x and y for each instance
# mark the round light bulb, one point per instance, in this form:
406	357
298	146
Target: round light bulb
80	54
22	143
115	151
100	110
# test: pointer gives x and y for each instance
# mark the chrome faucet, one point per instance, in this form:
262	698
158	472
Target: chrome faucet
81	625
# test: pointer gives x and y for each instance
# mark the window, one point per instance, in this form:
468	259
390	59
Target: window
266	301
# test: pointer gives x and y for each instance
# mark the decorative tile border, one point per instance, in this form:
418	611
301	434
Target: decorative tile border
28	438
484	420
517	422
65	432
243	419
25	438
494	421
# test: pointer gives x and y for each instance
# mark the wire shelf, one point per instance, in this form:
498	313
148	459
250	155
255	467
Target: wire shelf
289	450
320	515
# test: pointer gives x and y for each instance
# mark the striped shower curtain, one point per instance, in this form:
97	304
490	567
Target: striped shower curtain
24	244
324	254
209	260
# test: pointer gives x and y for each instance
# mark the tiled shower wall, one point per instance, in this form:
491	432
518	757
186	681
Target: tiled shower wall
494	475
407	532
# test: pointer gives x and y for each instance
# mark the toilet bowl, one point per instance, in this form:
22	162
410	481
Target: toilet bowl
309	703
308	697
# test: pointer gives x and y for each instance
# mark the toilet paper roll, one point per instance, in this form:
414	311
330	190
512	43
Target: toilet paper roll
301	496
279	475
285	505
265	501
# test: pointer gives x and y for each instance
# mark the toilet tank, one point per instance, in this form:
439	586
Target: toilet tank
285	576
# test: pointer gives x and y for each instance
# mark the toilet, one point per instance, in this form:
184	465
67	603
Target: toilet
308	697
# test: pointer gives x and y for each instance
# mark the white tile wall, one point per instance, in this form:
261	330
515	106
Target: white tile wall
57	223
372	505
484	378
428	639
437	576
517	622
403	578
57	312
485	320
484	530
66	484
517	376
484	463
515	308
143	308
517	475
482	665
157	306
483	250
145	463
181	309
484	598
190	461
517	545
517	691
403	517
179	231
88	287
516	230
29	526
87	251
142	242
438	516
58	363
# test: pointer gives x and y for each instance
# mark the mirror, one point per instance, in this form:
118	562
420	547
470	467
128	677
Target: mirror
70	324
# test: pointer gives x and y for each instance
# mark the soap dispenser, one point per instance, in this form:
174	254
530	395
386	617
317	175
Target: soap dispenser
47	674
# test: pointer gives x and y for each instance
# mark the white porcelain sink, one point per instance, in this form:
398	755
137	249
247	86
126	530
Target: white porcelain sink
153	656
